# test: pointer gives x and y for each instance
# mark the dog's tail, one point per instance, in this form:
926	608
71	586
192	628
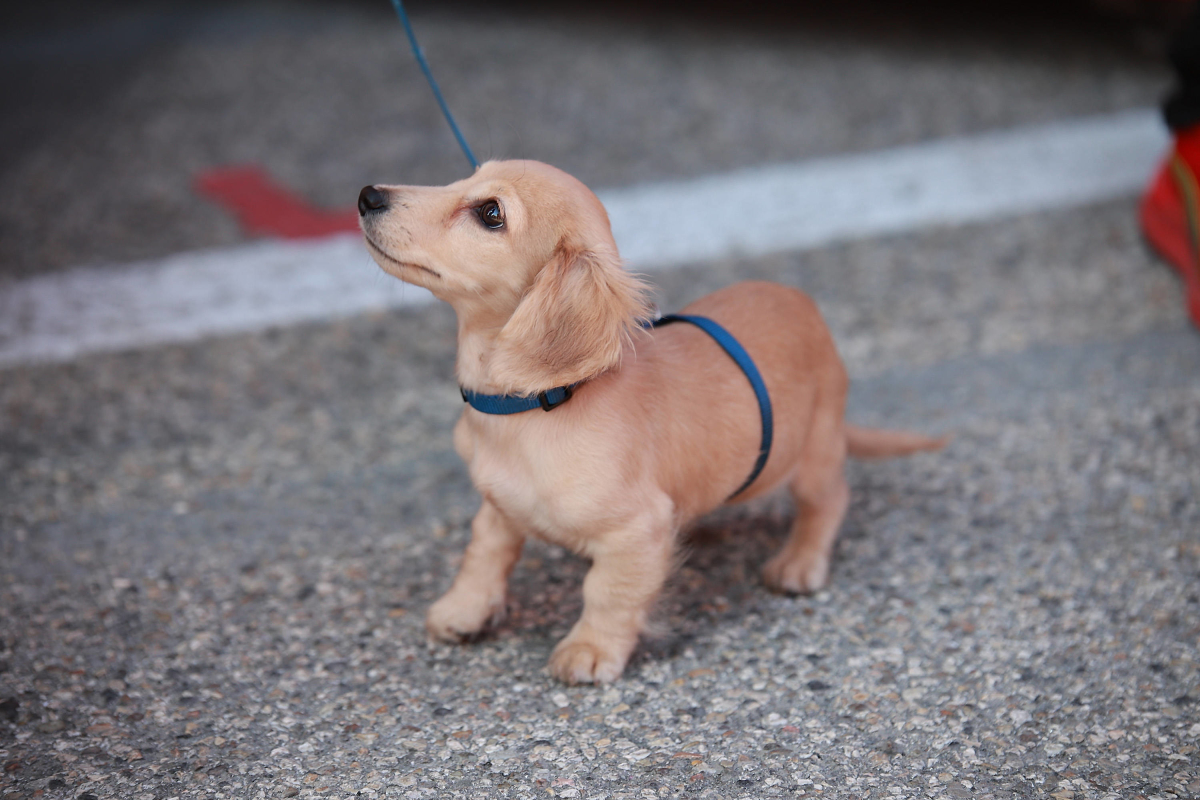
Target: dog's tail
879	443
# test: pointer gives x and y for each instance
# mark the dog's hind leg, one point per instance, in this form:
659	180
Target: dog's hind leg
628	570
478	594
822	497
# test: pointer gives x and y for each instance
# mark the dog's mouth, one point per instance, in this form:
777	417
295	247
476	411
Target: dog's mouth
381	253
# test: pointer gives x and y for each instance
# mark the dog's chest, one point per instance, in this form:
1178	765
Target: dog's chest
532	482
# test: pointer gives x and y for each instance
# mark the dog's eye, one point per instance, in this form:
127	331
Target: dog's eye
490	214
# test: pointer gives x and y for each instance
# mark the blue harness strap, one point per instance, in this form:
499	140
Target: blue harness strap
553	398
740	357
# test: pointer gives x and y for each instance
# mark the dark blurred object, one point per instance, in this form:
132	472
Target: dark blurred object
1152	23
1169	13
1182	109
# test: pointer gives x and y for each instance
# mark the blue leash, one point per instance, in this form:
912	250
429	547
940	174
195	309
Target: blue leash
437	93
553	398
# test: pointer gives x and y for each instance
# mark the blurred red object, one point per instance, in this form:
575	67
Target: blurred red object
266	208
1170	213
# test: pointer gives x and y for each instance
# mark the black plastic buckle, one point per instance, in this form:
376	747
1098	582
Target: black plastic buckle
549	406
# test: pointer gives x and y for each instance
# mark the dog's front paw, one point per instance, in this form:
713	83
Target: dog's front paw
797	574
461	616
585	659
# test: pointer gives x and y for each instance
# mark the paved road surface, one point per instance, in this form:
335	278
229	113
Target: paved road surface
215	555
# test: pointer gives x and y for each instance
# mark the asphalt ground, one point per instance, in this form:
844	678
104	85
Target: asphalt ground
117	108
215	557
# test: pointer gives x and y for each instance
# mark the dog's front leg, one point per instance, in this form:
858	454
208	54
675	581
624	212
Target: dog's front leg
477	596
628	570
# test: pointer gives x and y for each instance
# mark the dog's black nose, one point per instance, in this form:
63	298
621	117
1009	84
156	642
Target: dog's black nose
371	199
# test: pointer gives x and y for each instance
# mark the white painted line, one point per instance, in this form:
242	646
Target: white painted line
952	181
188	296
785	207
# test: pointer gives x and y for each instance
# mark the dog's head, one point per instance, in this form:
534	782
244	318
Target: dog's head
524	253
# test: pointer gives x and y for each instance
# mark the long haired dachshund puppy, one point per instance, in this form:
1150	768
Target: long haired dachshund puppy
660	428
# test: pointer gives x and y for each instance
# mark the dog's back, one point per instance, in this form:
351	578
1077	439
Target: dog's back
690	405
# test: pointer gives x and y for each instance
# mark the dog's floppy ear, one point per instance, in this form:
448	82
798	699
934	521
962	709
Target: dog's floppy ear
571	324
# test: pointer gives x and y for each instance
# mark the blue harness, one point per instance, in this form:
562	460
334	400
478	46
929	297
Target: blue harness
553	398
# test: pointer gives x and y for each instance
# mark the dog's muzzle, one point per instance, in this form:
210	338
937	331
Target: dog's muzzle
371	200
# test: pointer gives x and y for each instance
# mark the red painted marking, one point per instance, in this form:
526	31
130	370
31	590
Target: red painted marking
264	207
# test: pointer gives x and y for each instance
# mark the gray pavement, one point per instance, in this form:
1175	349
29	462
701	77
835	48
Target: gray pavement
113	119
215	557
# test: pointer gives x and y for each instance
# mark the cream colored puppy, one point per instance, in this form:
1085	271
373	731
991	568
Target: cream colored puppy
661	427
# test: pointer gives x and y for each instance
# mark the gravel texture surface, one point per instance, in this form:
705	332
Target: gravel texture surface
215	558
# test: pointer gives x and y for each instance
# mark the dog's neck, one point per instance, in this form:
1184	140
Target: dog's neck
479	324
476	343
474	365
572	323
